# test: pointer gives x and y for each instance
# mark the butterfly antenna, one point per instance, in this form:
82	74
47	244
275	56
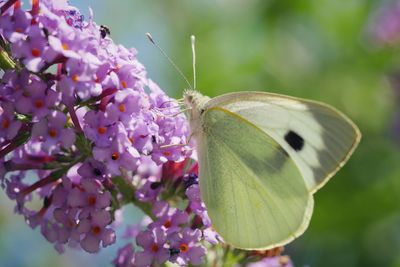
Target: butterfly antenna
193	42
168	58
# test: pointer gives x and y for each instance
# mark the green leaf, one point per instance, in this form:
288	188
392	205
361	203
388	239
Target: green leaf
6	62
83	144
128	194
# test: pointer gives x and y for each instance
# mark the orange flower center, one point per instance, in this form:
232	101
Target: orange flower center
19	30
75	78
167	153
167	224
101	130
35	52
5	124
124	84
65	46
154	248
39	103
53	132
96	230
69	224
115	156
184	247
121	107
91	200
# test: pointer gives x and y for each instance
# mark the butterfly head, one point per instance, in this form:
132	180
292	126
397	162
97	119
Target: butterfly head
195	103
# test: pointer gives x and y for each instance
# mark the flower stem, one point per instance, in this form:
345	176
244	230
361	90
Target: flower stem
128	193
52	177
22	136
12	166
74	118
9	148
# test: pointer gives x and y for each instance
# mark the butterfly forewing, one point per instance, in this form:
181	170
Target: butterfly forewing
254	192
317	137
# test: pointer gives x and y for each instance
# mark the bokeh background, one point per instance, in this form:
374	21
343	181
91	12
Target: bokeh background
344	53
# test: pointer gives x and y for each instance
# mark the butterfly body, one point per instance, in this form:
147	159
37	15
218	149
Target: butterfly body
261	158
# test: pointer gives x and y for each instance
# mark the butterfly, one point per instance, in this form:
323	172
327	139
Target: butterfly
261	158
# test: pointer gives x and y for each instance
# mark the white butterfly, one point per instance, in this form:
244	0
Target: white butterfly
261	158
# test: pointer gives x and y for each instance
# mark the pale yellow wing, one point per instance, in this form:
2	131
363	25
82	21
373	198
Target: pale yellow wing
254	193
317	137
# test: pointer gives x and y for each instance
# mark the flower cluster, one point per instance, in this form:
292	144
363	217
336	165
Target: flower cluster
84	132
74	113
385	26
172	234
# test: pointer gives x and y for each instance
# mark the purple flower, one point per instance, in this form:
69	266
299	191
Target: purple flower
35	51
82	76
168	218
142	133
173	128
187	243
52	132
278	261
385	27
101	128
89	197
125	256
94	231
15	26
153	242
9	126
211	236
196	205
67	44
149	191
36	99
92	114
92	168
120	154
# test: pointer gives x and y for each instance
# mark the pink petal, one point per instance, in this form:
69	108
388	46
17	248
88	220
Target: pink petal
83	226
145	239
90	244
143	259
108	237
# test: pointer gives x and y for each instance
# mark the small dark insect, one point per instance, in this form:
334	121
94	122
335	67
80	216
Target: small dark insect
190	179
97	172
174	251
47	202
155	185
104	31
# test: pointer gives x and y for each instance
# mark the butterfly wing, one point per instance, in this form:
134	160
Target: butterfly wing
254	192
317	137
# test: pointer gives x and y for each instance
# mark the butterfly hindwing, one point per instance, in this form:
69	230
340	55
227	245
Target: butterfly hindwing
317	137
254	192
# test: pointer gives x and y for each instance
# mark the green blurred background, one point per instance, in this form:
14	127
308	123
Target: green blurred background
317	49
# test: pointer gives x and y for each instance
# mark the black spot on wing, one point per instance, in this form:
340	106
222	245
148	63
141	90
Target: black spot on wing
294	140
